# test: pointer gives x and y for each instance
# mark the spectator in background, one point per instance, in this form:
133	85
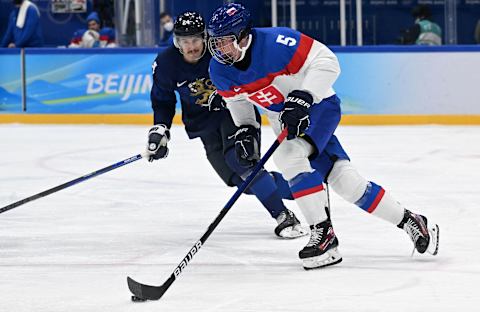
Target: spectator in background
94	36
23	26
166	23
424	32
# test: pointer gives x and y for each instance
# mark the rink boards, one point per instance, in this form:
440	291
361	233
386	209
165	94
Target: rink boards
378	85
147	119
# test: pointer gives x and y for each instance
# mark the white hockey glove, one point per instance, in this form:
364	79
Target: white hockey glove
158	137
215	102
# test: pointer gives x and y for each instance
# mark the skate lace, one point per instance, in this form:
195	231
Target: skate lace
411	227
283	216
315	237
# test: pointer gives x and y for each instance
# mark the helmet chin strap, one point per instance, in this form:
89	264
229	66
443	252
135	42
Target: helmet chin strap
244	49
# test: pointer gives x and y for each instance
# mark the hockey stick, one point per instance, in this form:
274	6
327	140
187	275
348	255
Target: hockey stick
328	200
142	292
72	182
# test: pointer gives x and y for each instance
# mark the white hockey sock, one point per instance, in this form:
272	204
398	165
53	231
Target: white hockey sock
389	209
313	207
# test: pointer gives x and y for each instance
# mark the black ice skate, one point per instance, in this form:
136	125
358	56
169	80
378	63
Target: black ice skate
289	226
321	250
424	237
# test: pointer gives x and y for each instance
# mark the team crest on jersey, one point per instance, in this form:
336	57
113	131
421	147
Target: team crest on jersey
267	96
231	11
201	88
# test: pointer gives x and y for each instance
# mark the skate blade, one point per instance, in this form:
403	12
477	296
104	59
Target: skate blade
434	232
292	232
331	257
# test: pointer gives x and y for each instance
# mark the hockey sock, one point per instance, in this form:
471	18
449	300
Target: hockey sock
380	203
309	194
282	185
369	196
237	181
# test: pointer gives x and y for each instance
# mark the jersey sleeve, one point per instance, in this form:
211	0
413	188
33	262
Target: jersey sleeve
108	36
242	111
314	60
76	40
31	24
162	94
321	70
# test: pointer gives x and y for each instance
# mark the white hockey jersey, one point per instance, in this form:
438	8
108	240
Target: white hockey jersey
283	60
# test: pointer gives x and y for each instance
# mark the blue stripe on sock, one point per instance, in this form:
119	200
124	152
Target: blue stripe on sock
369	196
305	181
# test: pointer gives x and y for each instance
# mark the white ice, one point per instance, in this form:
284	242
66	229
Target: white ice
72	250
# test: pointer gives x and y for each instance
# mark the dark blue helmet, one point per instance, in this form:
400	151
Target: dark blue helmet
230	19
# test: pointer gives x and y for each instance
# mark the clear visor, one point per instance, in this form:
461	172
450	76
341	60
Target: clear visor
224	49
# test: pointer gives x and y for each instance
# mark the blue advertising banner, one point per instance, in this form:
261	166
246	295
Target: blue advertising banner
10	81
89	82
409	81
374	81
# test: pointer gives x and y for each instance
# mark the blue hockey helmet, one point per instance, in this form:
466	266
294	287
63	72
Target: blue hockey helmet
230	19
229	24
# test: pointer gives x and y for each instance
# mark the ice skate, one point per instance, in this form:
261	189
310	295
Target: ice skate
321	250
425	237
289	226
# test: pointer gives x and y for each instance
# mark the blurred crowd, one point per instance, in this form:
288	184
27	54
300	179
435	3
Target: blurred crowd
24	29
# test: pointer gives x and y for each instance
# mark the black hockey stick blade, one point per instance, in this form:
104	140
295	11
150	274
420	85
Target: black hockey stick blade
142	292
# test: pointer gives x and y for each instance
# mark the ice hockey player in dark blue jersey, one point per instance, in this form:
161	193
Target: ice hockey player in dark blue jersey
184	68
291	75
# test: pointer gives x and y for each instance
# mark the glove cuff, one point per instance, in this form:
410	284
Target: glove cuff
243	131
301	98
160	129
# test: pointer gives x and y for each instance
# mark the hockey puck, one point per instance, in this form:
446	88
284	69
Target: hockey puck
138	299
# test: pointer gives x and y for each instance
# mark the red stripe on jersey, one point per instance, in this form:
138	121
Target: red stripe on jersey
309	191
104	37
292	67
377	200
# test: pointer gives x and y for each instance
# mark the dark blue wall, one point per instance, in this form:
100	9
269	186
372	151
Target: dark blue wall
383	19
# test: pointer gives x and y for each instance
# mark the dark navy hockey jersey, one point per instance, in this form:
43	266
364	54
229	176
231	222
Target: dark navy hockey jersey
192	81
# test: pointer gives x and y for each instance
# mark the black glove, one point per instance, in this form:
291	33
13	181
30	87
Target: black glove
247	149
158	137
295	114
215	102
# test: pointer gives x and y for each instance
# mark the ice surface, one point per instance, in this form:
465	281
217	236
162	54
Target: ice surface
72	250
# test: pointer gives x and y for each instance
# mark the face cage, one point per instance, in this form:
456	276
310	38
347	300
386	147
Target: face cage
176	43
224	49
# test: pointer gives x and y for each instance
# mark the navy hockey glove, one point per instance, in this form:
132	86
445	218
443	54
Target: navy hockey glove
215	102
295	114
247	148
158	137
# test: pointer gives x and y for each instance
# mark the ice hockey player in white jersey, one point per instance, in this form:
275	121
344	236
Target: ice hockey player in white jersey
291	75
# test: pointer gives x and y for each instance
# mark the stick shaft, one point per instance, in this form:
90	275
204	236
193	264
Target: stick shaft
71	183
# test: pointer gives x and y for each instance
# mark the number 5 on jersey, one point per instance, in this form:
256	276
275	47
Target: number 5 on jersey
288	41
